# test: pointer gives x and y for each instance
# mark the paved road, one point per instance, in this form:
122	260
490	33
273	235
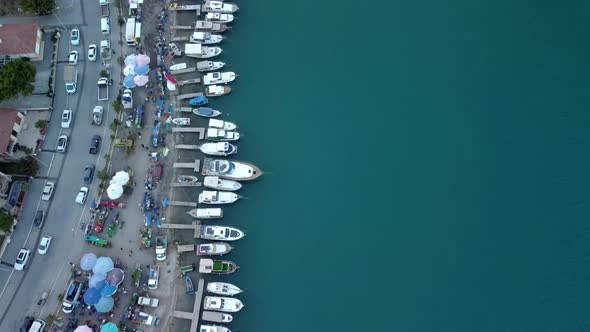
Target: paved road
19	294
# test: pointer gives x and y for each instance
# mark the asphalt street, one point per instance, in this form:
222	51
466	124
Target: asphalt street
22	289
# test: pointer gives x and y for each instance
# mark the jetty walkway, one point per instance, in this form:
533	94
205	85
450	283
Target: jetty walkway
193	316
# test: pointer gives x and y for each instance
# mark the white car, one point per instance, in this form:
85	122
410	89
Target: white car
82	195
48	191
75	36
92	52
44	244
73	58
62	143
21	259
66	119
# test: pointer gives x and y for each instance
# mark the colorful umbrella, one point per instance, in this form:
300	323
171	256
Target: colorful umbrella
115	277
83	328
91	296
105	304
142	60
103	265
128	82
142	70
108	290
130	59
129	70
121	177
115	191
87	261
141	80
109	327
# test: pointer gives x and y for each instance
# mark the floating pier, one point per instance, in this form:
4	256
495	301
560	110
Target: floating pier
178	8
187	146
193	316
184	71
195	226
189	95
196	165
181	185
181	248
191	81
182	203
180	38
184	109
183	27
195	130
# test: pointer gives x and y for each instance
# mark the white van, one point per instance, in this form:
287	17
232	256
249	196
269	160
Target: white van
105	25
130	31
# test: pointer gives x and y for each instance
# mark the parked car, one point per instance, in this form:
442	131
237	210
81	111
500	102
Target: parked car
44	244
88	174
75	36
62	143
95	144
82	195
66	119
73	58
21	259
39	218
48	191
92	51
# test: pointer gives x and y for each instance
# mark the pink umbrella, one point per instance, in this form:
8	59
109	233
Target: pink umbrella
83	328
141	80
142	60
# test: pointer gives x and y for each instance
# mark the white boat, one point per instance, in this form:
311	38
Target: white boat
181	121
233	170
219	77
219	17
215	182
187	179
216	316
213	328
171	86
223	288
209	26
213	249
209	65
215	134
225	304
217	197
218	149
219	7
220	233
205	38
178	66
200	51
217	90
208	213
206	112
225	125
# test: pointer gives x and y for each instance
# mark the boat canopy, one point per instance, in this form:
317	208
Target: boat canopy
222	146
193	48
201	35
205	265
206	110
203	65
209	195
216	123
215	133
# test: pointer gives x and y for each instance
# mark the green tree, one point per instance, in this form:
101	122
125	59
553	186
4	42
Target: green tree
37	6
6	221
16	77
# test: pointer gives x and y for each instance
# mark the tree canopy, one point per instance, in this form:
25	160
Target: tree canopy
6	221
37	6
16	77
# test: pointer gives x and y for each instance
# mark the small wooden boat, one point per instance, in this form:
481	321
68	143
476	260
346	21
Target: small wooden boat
216	316
218	149
209	266
225	125
190	290
178	66
217	197
181	121
187	179
217	90
213	249
216	134
215	182
219	17
219	7
170	78
225	304
209	65
207	213
220	233
206	112
213	328
223	288
219	77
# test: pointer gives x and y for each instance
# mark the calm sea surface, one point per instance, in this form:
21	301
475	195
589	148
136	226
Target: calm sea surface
428	165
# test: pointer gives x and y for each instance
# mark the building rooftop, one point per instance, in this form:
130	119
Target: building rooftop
8	118
18	38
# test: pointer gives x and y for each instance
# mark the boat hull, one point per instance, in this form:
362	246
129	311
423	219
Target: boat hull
214	182
211	93
212	114
223	288
209	266
252	173
213	213
178	66
223	304
187	179
213	249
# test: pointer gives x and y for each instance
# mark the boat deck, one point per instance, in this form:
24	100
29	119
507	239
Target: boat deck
184	71
196	165
193	316
185	185
189	95
212	316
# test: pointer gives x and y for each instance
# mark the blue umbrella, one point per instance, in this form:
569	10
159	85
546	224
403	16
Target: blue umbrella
105	304
103	265
108	290
92	296
88	261
97	280
109	327
142	70
128	82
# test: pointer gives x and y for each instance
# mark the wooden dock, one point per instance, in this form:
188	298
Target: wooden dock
184	71
189	95
195	130
181	248
184	109
195	226
180	38
185	185
193	316
186	146
183	27
181	203
196	165
190	81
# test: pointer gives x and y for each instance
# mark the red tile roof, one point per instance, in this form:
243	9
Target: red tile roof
7	118
18	38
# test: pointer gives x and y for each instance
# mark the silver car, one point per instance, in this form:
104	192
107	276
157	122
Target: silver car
75	36
62	143
44	244
21	259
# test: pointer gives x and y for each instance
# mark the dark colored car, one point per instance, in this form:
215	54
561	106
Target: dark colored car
39	218
88	174
95	144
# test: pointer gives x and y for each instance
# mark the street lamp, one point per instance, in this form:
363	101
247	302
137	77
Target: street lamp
54	12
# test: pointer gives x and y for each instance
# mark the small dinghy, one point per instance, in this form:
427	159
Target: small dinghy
218	149
190	290
225	125
215	182
217	90
187	179
209	65
181	121
225	304
207	112
217	197
178	66
223	288
213	249
207	213
198	101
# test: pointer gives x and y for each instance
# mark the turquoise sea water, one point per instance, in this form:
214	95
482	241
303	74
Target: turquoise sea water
428	165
